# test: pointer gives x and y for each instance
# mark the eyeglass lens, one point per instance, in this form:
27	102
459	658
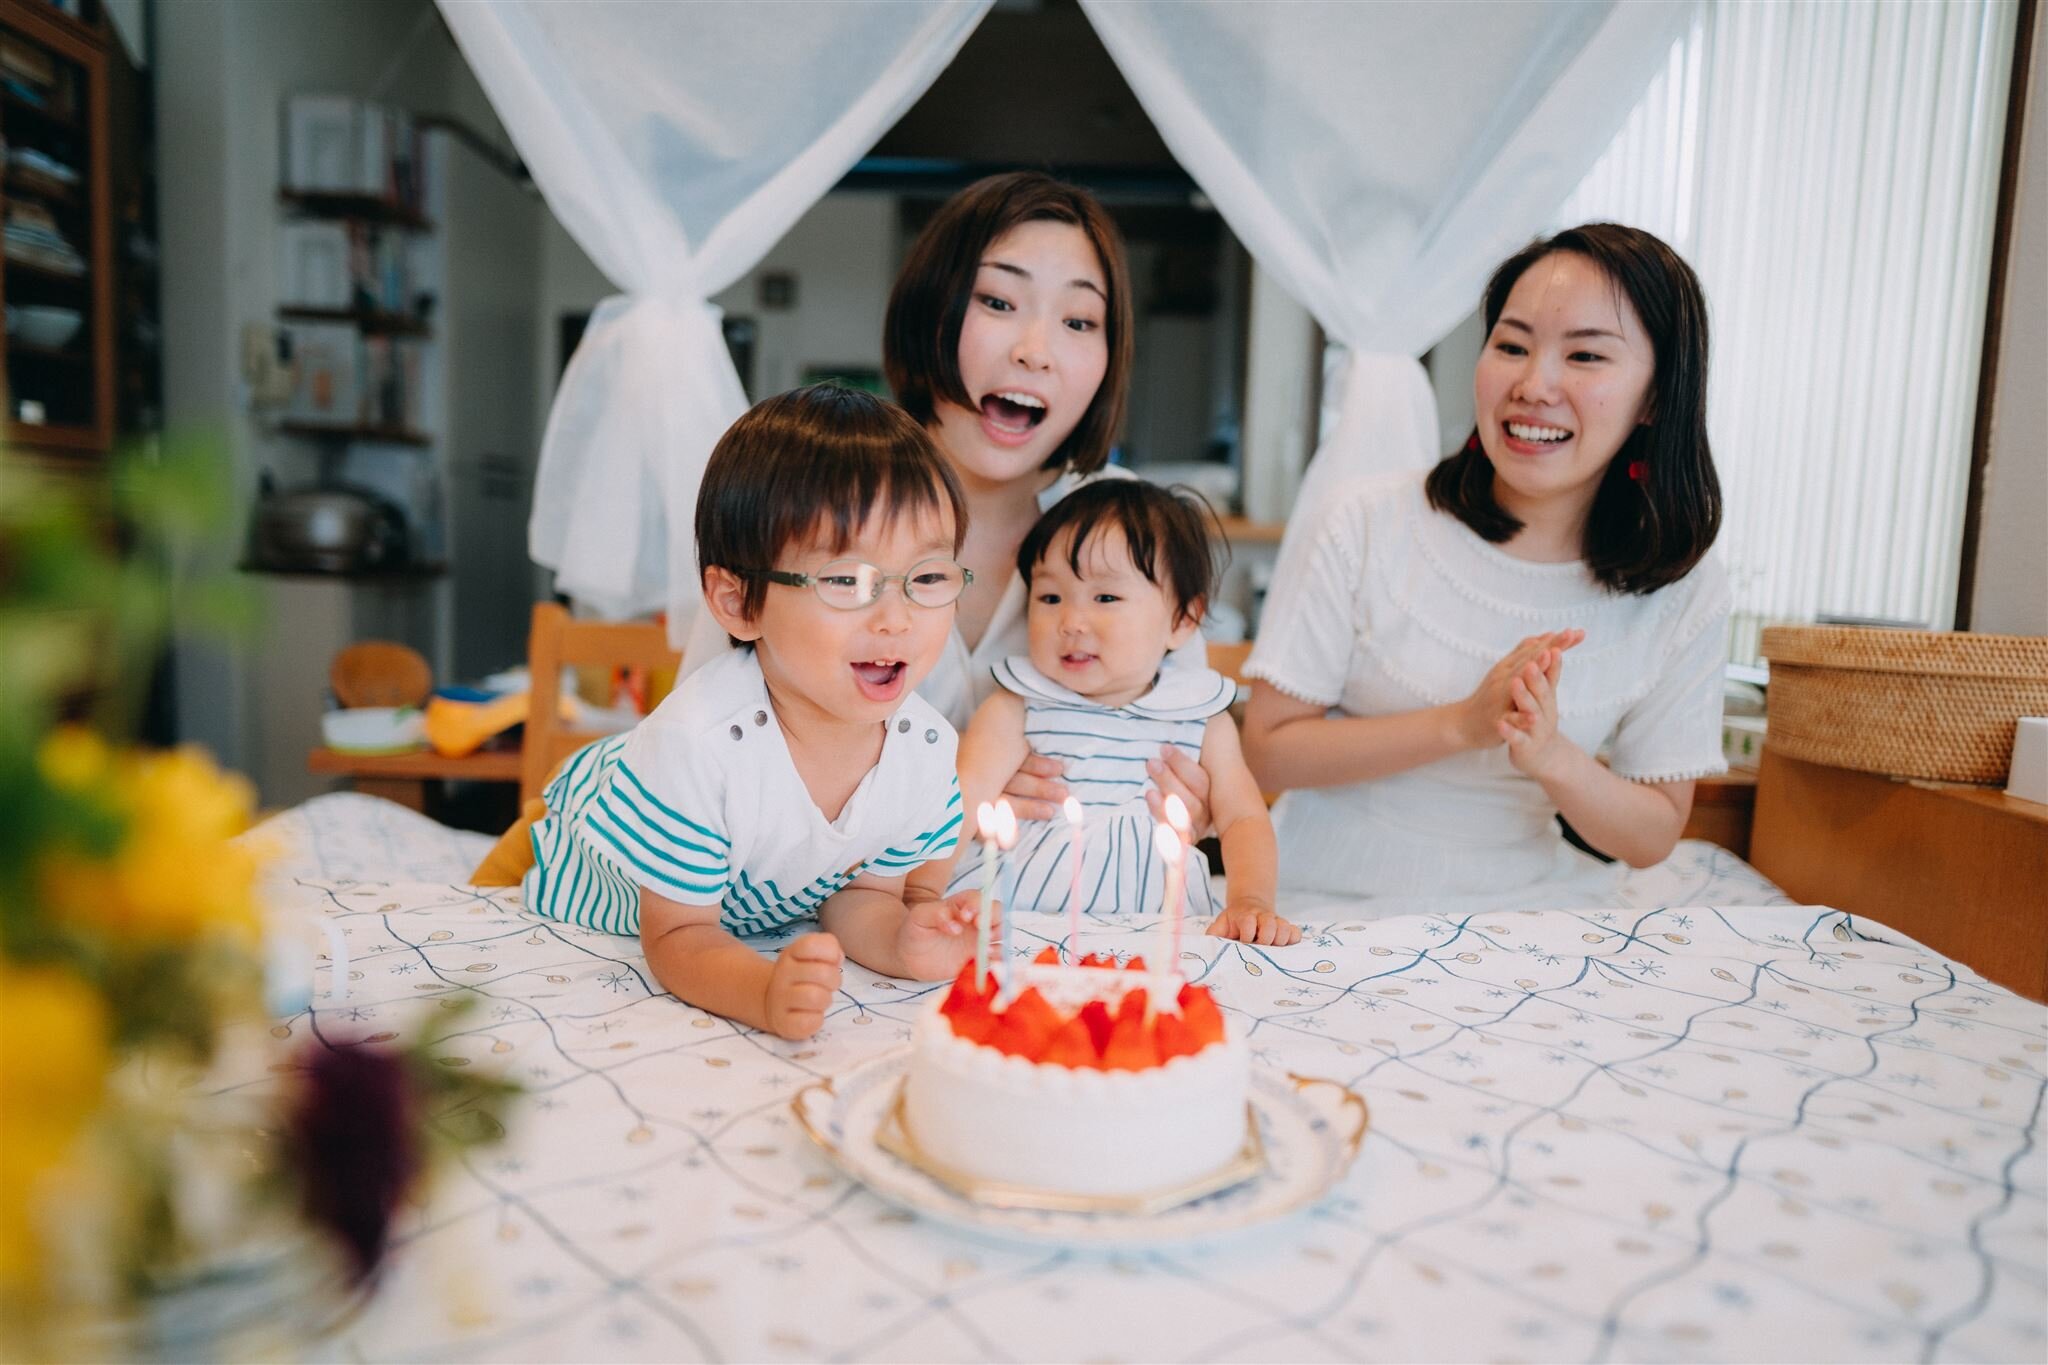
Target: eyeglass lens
851	583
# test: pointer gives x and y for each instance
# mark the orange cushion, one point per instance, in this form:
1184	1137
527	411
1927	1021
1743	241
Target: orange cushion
511	857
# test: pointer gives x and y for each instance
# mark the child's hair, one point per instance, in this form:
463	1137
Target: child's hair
1165	529
921	332
815	461
1649	528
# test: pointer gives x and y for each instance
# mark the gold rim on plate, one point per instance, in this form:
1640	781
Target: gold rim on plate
893	1137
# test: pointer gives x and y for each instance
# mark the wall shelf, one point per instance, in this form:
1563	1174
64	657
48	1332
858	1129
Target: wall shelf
23	181
372	322
62	355
322	431
47	275
364	207
36	113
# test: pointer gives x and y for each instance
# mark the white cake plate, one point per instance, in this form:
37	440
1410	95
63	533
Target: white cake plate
1309	1130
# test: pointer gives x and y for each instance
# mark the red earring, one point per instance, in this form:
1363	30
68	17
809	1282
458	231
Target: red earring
1639	470
1472	443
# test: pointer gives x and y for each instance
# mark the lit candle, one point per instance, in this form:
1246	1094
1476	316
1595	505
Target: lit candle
1074	847
1169	846
984	826
1177	816
1005	839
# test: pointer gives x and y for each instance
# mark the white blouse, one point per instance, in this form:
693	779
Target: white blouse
1396	607
963	678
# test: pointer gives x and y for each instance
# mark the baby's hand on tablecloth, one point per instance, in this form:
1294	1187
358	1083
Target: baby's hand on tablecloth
801	985
1250	922
937	936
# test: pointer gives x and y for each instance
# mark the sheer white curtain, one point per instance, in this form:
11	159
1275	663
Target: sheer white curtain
676	144
1380	159
1831	172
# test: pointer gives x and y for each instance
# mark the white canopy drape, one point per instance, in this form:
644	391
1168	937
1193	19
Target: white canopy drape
1377	158
676	144
1380	159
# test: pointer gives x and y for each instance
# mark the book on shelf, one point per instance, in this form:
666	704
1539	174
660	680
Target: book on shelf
321	144
352	266
313	266
338	145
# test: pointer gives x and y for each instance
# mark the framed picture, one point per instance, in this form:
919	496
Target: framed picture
327	358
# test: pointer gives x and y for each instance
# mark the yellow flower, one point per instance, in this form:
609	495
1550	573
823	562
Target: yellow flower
53	1066
73	758
177	874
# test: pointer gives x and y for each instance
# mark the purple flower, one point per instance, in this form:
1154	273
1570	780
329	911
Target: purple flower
353	1138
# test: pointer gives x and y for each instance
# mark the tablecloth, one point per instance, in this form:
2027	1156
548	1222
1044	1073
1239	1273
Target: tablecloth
1656	1133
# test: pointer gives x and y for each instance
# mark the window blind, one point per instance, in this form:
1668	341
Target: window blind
1831	171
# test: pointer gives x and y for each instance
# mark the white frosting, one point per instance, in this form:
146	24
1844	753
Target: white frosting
1074	1130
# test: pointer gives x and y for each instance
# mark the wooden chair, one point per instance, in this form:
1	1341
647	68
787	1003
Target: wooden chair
558	639
1229	659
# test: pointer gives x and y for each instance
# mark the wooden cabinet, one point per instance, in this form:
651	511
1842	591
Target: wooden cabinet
1962	869
58	387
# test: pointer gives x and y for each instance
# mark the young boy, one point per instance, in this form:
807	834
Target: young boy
799	775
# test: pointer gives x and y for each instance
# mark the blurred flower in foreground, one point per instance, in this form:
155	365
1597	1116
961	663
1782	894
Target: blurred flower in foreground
132	957
53	1067
176	874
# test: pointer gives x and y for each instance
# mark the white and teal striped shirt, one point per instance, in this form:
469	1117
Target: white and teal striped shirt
701	803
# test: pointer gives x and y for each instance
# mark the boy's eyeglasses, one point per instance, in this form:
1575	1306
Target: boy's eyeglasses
850	584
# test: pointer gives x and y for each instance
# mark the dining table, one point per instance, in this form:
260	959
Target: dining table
1699	1127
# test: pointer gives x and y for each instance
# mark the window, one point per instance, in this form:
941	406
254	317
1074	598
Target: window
1831	171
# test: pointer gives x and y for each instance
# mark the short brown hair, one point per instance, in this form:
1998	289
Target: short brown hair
1650	526
1166	530
821	459
921	334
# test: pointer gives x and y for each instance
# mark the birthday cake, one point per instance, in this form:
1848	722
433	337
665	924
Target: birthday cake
1089	1080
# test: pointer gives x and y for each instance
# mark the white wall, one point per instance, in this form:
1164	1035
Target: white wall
2011	591
129	21
842	254
223	71
1282	356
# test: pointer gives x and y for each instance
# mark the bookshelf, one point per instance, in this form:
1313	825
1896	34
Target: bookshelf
56	273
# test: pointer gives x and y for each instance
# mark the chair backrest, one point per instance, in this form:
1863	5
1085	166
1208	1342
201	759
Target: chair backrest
1228	659
558	639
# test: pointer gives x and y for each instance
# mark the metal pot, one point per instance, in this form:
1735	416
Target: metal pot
327	530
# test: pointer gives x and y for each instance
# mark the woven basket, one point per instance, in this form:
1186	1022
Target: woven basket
1905	703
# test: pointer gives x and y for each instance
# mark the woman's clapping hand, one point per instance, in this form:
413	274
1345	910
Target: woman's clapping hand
1482	717
1530	729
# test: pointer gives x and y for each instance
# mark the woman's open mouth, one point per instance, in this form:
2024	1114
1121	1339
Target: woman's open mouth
879	679
1011	415
1533	438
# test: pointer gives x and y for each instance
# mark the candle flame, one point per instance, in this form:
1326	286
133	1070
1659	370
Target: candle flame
1005	825
1167	842
1177	815
985	820
1073	810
